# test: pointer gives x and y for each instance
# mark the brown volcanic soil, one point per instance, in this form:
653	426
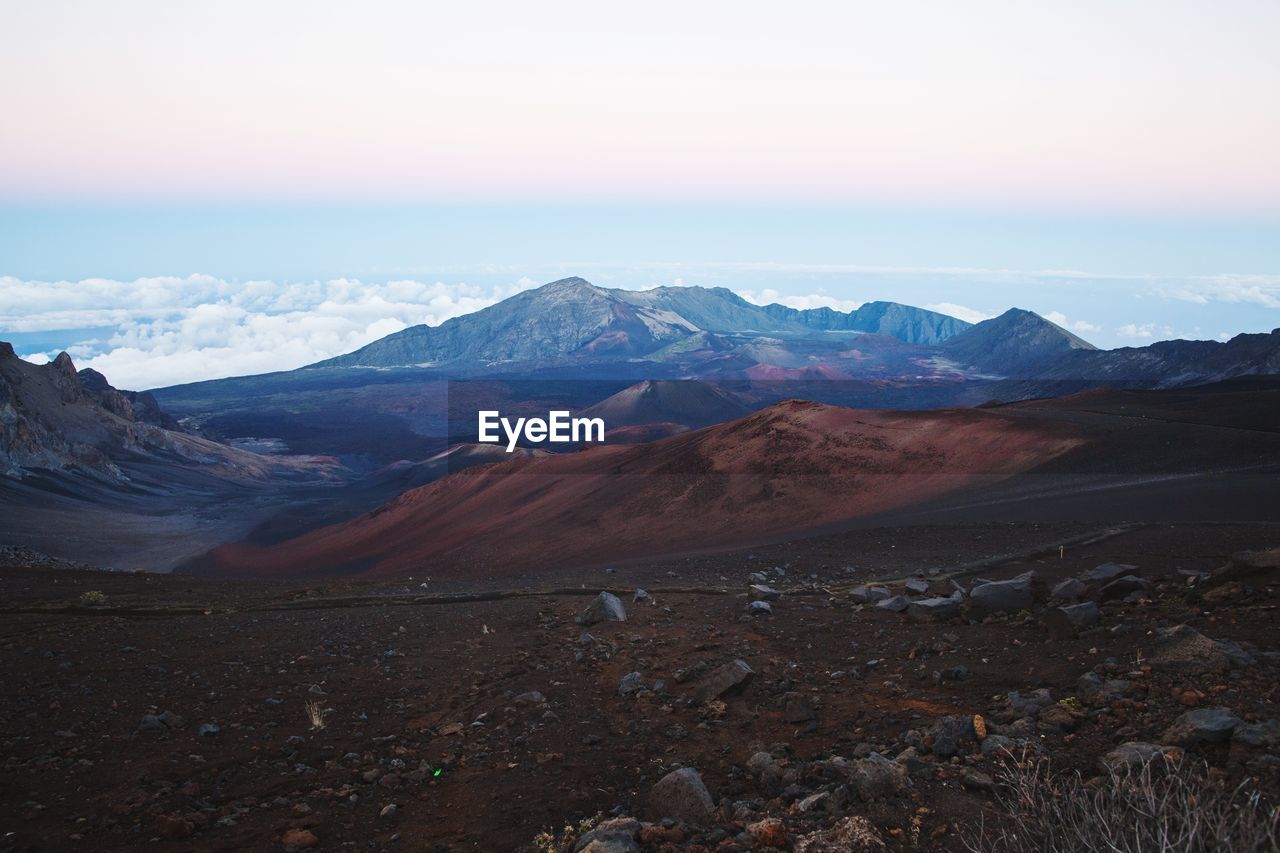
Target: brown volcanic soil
794	466
398	676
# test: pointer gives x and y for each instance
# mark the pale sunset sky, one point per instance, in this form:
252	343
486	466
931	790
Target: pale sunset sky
197	190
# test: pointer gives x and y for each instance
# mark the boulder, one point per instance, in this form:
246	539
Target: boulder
1108	572
1067	622
895	604
760	608
1247	565
1134	754
1008	596
1185	650
1203	725
761	592
1123	586
798	709
617	835
868	594
681	795
605	607
727	678
876	777
642	596
919	586
933	609
1020	705
953	736
631	684
1069	590
1097	692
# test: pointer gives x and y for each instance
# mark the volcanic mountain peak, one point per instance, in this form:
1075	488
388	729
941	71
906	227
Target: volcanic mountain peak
574	319
686	402
1016	342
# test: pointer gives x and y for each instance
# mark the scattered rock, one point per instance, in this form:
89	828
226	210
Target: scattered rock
631	684
868	594
934	609
727	678
769	832
616	835
952	736
919	586
895	604
760	592
1108	572
876	777
299	839
760	608
848	835
1185	650
1009	596
1069	590
1203	725
642	596
977	780
1134	754
681	795
1067	622
798	709
1028	704
606	607
1123	586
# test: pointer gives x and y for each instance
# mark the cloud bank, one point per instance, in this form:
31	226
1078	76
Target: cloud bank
169	330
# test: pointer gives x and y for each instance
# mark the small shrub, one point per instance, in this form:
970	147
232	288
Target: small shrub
93	598
567	838
1159	807
315	715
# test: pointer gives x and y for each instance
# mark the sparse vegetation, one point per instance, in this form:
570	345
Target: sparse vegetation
1156	807
93	598
315	715
551	842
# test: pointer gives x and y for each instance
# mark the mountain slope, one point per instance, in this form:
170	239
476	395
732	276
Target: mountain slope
1173	363
685	402
1017	343
792	467
55	419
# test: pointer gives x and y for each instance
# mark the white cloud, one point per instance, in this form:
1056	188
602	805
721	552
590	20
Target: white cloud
769	296
960	312
1145	331
171	330
1261	290
1081	326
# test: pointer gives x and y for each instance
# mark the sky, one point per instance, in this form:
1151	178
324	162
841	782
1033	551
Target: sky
196	190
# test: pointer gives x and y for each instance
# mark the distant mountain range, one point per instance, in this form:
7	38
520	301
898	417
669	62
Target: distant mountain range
573	328
573	318
574	344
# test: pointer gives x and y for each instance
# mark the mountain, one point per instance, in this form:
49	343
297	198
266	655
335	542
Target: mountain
55	419
1018	343
792	467
1167	364
689	403
574	318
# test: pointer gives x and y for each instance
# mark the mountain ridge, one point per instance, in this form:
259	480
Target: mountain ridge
572	316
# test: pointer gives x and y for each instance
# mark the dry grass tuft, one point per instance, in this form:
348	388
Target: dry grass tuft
315	715
1158	807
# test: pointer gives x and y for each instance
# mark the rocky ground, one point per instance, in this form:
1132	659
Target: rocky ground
853	706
